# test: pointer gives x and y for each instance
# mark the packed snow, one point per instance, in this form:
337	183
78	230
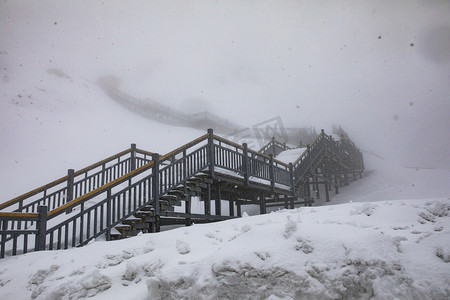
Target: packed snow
366	248
291	155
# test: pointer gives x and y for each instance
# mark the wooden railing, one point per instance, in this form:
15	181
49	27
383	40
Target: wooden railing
274	147
114	189
76	184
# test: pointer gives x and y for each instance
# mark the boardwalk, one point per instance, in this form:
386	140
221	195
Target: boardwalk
138	191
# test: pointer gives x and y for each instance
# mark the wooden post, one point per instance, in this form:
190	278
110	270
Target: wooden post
155	190
245	164
231	206
188	208
316	184
291	177
133	157
218	204
211	159
329	177
262	205
308	152
70	182
41	228
103	174
273	147
327	193
336	182
308	188
239	210
108	214
207	201
271	173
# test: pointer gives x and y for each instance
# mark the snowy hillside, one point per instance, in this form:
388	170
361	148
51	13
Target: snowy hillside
69	122
358	250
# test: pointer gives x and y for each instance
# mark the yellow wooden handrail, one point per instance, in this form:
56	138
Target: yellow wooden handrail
19	215
60	180
121	179
33	192
144	152
100	189
179	149
97	164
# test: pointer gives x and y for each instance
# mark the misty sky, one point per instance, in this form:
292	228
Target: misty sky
381	69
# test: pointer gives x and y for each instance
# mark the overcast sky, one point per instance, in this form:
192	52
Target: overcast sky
381	69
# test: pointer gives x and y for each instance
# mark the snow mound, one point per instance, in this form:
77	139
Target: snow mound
380	250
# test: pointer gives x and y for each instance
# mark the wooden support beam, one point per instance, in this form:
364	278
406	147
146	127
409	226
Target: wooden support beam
245	164
188	207
308	189
292	204
207	201
155	190
262	205
218	204
231	206
210	154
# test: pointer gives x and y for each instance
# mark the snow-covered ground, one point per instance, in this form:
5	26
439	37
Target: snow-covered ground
389	239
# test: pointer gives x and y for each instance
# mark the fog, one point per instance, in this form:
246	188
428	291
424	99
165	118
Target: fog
381	69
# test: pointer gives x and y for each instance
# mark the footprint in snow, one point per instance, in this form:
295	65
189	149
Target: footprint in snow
183	247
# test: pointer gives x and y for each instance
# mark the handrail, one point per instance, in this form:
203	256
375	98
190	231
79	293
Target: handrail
273	143
60	180
305	152
33	192
18	215
99	190
70	185
122	179
179	149
216	137
144	152
98	164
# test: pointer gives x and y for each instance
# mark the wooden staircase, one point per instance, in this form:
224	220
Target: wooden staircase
137	191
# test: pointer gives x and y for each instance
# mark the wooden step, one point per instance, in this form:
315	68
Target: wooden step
169	198
115	234
145	213
122	229
148	208
176	203
179	193
166	206
181	188
122	226
147	216
194	181
135	223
